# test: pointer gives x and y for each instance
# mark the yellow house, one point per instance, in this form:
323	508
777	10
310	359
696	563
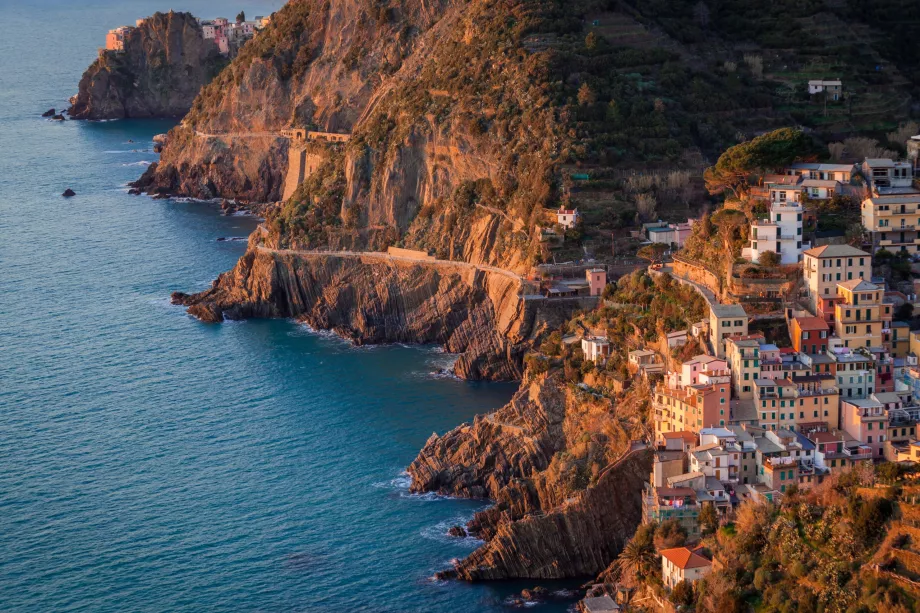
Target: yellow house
826	266
726	320
892	221
857	317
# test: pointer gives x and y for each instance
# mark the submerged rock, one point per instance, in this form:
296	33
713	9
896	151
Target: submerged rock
68	193
457	531
58	118
49	113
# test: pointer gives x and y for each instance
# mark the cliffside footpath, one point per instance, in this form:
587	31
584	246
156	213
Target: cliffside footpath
165	63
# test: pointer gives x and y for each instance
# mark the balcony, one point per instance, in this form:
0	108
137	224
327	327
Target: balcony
860	453
827	391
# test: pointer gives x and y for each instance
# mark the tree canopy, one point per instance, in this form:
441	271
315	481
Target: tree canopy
654	252
764	153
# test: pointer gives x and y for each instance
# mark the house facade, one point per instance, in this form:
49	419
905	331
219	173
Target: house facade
826	266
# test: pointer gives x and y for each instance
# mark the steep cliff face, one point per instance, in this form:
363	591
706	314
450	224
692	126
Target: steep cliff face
165	63
578	538
565	477
377	299
445	114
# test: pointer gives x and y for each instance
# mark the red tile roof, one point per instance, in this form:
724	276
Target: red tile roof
811	323
684	434
683	558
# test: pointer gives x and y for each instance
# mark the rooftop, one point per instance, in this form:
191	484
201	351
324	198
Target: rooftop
728	310
836	251
819	183
683	558
858	285
894	199
683	434
825	167
811	323
599	604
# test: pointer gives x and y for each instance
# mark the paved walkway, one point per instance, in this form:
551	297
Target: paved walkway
397	258
240	135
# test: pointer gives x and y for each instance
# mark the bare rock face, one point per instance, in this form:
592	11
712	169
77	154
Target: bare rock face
579	538
545	524
165	62
373	299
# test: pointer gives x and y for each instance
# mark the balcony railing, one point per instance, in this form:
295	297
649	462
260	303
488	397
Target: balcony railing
858	454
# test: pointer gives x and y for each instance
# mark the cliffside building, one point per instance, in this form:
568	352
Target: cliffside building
567	218
682	564
824	267
597	280
781	232
595	348
115	39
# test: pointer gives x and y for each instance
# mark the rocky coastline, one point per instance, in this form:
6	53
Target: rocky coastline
165	62
419	171
543	525
372	299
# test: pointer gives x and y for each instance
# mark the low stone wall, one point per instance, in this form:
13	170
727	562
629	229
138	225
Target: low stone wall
409	253
698	274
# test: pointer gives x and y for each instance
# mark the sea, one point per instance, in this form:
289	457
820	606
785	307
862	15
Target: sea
151	462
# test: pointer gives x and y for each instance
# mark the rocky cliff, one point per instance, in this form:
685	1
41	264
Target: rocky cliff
428	143
373	298
560	465
165	63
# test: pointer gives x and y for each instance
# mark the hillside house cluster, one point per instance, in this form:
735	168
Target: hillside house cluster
222	31
229	35
115	39
782	231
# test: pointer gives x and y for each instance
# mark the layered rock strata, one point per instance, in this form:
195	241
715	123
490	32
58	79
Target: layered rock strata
543	524
373	298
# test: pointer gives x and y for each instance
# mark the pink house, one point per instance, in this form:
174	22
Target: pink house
690	370
597	280
866	420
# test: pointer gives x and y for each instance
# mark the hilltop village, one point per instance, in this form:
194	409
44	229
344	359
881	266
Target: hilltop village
790	384
229	36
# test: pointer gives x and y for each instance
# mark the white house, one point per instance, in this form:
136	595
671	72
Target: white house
567	217
781	232
833	87
682	564
595	348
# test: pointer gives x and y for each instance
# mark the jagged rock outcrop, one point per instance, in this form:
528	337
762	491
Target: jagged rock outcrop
563	472
577	539
165	62
372	298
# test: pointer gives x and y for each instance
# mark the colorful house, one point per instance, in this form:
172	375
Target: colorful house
809	334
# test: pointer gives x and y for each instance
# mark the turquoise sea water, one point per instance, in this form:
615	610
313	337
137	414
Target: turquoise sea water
149	462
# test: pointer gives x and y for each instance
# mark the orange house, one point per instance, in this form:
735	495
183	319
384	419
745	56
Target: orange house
809	334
